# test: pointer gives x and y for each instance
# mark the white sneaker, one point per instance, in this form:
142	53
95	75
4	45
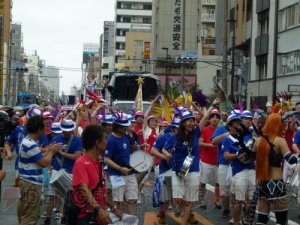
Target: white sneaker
57	216
54	209
44	216
231	221
139	200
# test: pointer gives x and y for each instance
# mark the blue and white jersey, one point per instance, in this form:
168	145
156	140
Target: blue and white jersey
28	168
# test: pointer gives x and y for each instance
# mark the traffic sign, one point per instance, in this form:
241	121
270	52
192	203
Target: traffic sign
18	64
189	54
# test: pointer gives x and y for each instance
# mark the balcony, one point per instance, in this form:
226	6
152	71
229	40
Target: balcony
208	2
135	12
208	17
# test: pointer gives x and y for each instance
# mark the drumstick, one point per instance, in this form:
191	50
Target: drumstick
136	166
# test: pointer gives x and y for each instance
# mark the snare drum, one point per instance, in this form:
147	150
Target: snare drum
61	182
141	161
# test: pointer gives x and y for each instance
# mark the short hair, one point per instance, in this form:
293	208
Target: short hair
34	124
115	127
90	135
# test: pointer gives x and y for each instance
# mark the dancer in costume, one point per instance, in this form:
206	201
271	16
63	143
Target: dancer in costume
271	148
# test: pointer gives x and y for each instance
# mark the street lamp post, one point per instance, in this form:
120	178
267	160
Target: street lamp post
167	76
232	56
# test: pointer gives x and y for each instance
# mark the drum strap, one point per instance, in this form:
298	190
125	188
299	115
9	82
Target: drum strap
61	161
100	182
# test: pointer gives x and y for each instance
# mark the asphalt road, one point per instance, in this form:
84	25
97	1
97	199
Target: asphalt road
146	214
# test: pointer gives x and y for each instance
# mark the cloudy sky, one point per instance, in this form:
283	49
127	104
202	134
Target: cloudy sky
57	29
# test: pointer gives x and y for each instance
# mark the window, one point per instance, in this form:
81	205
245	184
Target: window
126	19
147	7
292	63
126	6
147	20
291	16
288	17
138	43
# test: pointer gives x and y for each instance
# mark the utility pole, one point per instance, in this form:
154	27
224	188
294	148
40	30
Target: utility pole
225	46
182	45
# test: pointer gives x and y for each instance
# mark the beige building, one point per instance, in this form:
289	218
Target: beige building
136	50
176	26
208	26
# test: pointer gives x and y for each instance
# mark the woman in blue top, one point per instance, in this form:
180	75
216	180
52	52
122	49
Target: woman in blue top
184	145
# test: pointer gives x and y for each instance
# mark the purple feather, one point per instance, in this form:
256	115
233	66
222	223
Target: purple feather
242	106
103	113
200	98
133	111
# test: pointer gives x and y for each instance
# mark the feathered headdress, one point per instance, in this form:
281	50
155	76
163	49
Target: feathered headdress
200	98
282	102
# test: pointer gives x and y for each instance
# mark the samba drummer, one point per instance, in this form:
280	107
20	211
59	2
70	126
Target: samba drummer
117	157
164	167
243	173
185	161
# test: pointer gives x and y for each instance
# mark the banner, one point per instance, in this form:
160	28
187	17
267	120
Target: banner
146	50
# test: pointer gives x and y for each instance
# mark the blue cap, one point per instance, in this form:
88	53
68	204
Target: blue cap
108	119
232	117
247	114
175	122
236	112
186	115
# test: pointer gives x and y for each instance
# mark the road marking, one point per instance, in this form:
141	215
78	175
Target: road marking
150	218
201	219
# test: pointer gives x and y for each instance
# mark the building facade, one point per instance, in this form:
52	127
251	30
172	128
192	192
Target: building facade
5	72
51	76
288	51
129	14
176	26
208	26
15	49
136	42
108	39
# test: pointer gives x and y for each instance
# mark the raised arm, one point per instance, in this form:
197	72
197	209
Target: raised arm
147	113
207	113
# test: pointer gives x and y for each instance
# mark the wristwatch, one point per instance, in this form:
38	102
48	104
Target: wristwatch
96	209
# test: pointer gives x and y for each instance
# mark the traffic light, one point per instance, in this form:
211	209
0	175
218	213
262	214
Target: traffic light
21	69
185	60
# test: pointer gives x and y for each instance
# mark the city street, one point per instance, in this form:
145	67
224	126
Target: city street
146	214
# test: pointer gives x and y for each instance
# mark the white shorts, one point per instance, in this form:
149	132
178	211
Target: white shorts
187	187
242	183
144	181
129	190
156	171
208	172
222	174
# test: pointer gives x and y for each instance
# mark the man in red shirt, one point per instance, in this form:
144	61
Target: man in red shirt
209	155
138	129
85	179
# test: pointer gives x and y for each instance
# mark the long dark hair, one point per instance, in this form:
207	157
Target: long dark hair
182	136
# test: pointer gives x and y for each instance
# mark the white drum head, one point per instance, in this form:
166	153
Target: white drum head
140	161
56	175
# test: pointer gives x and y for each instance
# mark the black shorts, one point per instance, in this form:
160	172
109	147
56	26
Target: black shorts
272	189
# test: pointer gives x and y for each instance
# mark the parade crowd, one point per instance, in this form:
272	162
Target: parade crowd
250	157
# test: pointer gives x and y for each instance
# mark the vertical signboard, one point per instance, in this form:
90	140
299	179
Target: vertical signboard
146	50
176	35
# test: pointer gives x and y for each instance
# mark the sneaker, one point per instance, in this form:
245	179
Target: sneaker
54	209
139	200
44	216
162	220
57	216
177	211
47	221
202	206
144	194
226	213
192	220
244	222
218	206
63	220
231	221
